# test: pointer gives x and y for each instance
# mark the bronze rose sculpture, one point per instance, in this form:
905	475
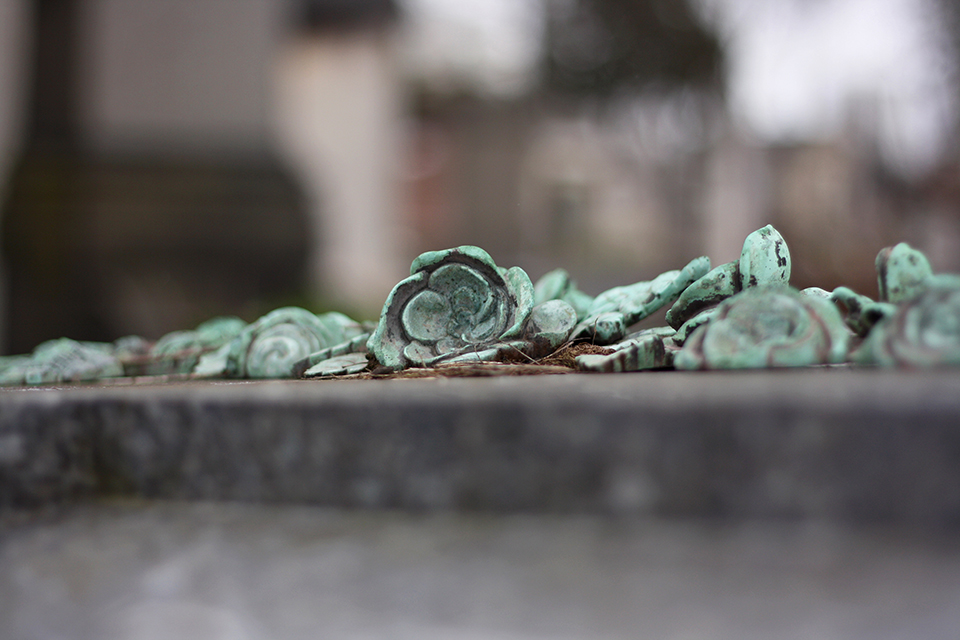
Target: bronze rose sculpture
454	302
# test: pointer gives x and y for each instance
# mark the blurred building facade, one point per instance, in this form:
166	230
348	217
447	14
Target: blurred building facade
170	161
543	185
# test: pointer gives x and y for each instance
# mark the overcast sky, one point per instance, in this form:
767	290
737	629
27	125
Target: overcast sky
491	45
797	69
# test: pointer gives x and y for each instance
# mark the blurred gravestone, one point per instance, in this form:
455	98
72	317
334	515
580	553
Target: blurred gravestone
147	197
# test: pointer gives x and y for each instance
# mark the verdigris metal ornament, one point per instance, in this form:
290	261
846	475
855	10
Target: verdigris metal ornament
271	346
641	351
455	302
343	364
557	285
615	310
691	325
923	332
713	288
816	292
548	327
902	272
12	364
63	360
773	326
179	352
346	357
764	260
858	311
132	347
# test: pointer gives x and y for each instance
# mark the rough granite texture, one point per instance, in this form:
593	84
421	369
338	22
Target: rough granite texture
838	443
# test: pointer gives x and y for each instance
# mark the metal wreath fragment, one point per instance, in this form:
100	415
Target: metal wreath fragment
458	308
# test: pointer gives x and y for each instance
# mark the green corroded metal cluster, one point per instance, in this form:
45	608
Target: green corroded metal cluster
458	306
769	326
744	315
224	347
455	305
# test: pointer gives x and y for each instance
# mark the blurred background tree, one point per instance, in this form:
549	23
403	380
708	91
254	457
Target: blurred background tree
599	47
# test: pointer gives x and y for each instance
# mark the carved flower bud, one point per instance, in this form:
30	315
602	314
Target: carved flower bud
767	327
454	301
923	332
271	346
548	327
62	360
765	259
902	272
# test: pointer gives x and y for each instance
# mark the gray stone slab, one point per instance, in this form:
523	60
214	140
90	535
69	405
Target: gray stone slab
863	445
217	572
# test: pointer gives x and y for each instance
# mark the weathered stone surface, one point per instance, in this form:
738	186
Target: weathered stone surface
863	445
765	259
901	273
454	302
923	332
767	327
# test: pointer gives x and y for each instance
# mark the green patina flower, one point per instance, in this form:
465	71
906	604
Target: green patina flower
923	332
180	351
454	301
62	360
271	346
774	326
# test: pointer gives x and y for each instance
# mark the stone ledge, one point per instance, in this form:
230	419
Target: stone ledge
863	445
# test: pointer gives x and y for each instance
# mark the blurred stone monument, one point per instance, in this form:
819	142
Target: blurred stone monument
167	172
